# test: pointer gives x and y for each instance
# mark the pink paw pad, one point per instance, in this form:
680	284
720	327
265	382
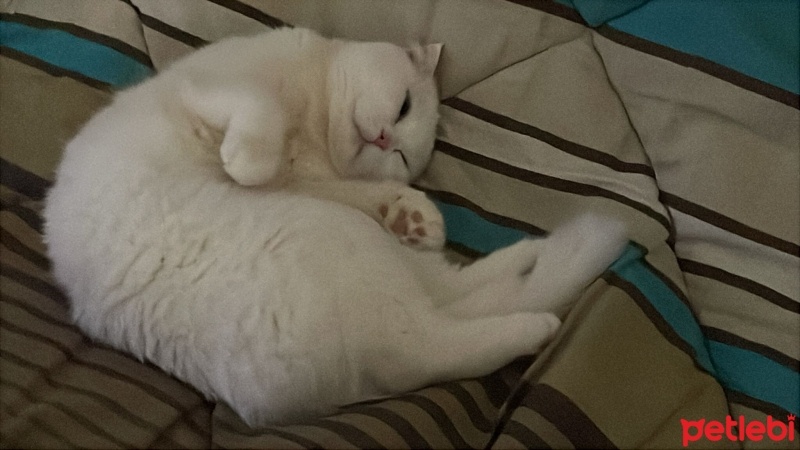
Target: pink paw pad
410	228
414	219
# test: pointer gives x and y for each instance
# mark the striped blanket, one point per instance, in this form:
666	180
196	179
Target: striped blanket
680	117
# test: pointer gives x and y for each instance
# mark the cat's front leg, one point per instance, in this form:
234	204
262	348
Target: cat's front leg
252	150
253	127
403	211
414	219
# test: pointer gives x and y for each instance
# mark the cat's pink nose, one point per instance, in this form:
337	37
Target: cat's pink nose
383	141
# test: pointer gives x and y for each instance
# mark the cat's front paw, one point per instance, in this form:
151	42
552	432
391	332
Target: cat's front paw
414	219
248	161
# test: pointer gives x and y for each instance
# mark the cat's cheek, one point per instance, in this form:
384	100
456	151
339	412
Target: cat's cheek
345	148
398	170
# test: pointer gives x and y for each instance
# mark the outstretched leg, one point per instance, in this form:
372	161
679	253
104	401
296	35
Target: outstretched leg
515	260
572	257
501	296
456	348
536	275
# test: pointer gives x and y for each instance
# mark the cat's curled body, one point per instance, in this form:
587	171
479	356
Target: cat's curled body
291	299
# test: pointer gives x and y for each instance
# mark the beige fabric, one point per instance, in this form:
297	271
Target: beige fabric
542	119
711	128
112	19
68	105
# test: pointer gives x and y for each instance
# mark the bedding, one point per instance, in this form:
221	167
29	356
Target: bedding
681	118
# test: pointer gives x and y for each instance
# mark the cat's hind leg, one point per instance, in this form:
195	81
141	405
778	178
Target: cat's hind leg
571	258
543	275
452	348
516	259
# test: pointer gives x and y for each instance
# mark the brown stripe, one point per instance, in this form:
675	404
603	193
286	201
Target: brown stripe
737	341
169	30
15	245
251	12
728	224
514	399
665	279
199	416
34	336
463	250
479	421
150	390
439	415
33	283
22	181
653	316
512	394
714	273
523	435
546	181
165	442
84	422
104	400
567	417
457	200
496	388
55	71
562	144
248	432
30	217
41	427
297	439
759	405
75	30
704	65
69	354
398	423
153	391
38	313
349	433
554	8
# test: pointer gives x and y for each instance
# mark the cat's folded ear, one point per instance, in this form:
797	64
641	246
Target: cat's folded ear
425	57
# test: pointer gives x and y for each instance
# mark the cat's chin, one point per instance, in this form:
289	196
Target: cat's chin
373	163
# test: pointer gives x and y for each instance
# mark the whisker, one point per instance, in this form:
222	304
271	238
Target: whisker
402	155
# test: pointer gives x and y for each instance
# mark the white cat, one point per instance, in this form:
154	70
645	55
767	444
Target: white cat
289	299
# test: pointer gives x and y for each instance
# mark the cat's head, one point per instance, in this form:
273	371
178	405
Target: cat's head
383	110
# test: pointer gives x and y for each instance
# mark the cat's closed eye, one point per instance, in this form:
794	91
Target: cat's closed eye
405	107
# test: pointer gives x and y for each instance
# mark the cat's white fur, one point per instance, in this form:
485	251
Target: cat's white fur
286	300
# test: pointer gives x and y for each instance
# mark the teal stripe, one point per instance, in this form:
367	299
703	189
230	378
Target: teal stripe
72	53
464	227
759	38
680	318
756	375
598	12
735	368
